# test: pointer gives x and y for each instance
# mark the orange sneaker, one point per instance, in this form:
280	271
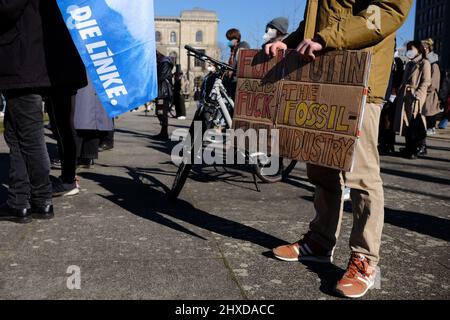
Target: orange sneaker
304	250
359	278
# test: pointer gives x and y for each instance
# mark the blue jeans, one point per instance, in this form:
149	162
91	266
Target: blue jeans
29	171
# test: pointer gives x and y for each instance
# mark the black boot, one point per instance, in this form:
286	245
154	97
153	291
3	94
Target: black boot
163	135
15	215
43	213
422	151
86	163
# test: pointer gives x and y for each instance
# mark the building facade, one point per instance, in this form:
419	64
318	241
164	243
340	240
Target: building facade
433	21
197	28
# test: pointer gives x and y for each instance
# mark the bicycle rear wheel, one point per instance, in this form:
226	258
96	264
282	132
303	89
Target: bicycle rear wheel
196	145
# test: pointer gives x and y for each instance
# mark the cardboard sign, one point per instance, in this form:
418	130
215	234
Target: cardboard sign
316	105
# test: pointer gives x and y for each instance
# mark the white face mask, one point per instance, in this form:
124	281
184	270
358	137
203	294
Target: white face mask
411	54
270	34
211	69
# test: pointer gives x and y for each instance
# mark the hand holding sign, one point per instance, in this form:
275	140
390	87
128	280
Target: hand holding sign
271	49
308	47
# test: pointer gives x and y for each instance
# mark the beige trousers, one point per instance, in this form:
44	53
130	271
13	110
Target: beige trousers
366	194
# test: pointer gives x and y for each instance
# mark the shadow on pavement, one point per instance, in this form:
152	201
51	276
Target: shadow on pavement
149	201
421	223
416	176
328	273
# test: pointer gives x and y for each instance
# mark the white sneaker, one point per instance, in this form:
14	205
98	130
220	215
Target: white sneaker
181	118
347	196
65	189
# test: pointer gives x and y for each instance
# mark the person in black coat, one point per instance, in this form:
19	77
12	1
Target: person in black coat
165	94
178	96
37	59
386	138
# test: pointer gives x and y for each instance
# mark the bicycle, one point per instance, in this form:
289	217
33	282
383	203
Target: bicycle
215	110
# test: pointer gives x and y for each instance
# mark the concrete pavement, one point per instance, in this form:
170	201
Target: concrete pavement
129	242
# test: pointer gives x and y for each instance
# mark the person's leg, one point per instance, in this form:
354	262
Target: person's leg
106	140
162	112
19	191
89	146
368	210
318	244
61	106
367	190
182	106
328	203
30	164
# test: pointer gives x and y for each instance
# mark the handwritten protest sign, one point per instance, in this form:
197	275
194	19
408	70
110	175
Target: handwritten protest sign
317	106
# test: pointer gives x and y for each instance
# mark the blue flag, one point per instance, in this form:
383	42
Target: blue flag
116	40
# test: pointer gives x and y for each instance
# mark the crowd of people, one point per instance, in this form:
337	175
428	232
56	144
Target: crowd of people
416	96
403	99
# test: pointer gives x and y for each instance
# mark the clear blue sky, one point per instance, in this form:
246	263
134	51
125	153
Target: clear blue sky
251	16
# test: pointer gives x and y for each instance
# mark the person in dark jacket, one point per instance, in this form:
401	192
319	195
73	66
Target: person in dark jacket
235	44
37	57
165	94
178	96
387	133
91	123
60	98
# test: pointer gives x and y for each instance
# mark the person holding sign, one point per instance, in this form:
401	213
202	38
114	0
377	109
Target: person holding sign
349	25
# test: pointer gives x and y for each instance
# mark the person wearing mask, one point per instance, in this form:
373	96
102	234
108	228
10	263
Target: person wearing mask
343	25
410	121
276	30
235	44
165	94
432	105
37	58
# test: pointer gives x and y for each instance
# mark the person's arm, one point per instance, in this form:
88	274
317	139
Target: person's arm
11	10
356	32
293	40
435	78
425	82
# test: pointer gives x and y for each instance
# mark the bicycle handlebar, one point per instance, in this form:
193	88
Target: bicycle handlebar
203	56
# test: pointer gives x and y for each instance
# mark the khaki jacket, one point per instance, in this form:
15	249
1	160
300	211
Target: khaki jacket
413	92
347	25
433	104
